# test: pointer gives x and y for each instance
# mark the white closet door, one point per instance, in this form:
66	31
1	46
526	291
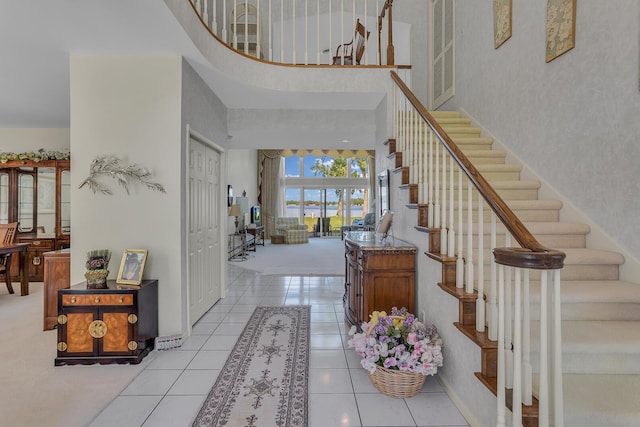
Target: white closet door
204	229
441	52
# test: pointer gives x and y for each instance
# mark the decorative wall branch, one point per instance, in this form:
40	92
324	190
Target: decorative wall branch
113	167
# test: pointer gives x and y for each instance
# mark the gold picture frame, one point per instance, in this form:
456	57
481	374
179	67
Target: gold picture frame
501	21
132	266
561	27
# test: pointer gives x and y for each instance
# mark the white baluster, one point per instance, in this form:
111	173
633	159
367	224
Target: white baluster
469	261
270	33
342	31
281	31
527	370
558	404
431	208
306	31
516	408
246	28
258	30
419	160
225	34
543	387
214	21
234	24
318	34
436	187
501	380
480	307
452	229
293	33
444	239
199	7
378	59
460	252
508	325
205	13
366	25
493	309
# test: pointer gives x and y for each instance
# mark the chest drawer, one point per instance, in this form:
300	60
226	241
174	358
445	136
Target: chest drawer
98	299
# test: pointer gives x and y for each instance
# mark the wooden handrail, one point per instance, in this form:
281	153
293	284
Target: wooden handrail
533	254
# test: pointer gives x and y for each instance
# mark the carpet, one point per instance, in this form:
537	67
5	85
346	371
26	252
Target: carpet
264	381
319	257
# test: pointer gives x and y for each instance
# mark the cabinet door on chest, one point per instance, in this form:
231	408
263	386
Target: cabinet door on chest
97	330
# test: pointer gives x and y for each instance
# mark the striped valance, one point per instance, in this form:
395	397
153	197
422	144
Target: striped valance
328	152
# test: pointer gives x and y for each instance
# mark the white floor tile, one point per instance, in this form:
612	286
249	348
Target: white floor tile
325	328
172	359
381	410
175	411
126	411
203	328
198	381
335	410
152	382
321	358
220	342
206	359
326	341
194	342
329	381
361	382
435	409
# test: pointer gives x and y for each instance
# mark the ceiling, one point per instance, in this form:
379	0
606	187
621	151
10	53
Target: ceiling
34	76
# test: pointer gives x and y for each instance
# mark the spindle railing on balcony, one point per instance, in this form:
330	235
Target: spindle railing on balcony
300	32
455	196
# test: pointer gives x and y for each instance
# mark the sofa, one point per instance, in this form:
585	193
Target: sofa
291	230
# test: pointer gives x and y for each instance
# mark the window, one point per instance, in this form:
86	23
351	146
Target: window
326	187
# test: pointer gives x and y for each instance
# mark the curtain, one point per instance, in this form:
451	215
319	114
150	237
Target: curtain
268	188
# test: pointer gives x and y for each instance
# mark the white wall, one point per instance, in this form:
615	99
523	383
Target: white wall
242	174
573	120
130	107
20	140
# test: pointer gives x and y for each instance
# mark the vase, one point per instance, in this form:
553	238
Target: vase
100	283
96	279
398	384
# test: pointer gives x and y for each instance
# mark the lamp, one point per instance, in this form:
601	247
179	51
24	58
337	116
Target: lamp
235	211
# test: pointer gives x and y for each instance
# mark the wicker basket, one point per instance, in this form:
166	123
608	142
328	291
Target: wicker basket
398	384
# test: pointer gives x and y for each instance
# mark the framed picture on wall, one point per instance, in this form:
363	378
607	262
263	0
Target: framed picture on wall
383	192
132	266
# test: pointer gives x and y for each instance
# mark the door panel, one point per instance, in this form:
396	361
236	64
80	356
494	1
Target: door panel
204	249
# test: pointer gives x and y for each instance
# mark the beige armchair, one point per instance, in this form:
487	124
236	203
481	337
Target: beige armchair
292	230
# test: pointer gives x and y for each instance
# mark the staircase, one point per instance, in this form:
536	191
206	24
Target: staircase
600	313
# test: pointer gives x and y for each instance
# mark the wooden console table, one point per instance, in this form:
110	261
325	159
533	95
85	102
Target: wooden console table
378	275
258	237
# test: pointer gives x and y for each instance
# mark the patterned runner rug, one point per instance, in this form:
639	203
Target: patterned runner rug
264	380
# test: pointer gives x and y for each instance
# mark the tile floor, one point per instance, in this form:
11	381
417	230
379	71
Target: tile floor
174	383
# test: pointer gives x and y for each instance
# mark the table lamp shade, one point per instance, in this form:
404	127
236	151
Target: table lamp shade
235	210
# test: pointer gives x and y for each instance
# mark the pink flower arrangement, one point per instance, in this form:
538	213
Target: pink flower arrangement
398	342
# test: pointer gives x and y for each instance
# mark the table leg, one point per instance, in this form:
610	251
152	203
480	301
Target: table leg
22	273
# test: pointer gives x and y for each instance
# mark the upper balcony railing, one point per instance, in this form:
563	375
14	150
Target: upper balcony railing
306	32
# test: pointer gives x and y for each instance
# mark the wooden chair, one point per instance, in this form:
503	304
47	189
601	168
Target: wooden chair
7	237
348	56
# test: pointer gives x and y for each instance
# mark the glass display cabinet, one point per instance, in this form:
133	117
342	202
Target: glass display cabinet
37	196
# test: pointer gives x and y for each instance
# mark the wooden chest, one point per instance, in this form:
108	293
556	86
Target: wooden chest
118	324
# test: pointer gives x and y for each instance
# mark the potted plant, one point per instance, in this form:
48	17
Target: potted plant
398	351
97	268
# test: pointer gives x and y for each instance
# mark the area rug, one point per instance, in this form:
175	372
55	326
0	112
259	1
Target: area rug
264	381
319	257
